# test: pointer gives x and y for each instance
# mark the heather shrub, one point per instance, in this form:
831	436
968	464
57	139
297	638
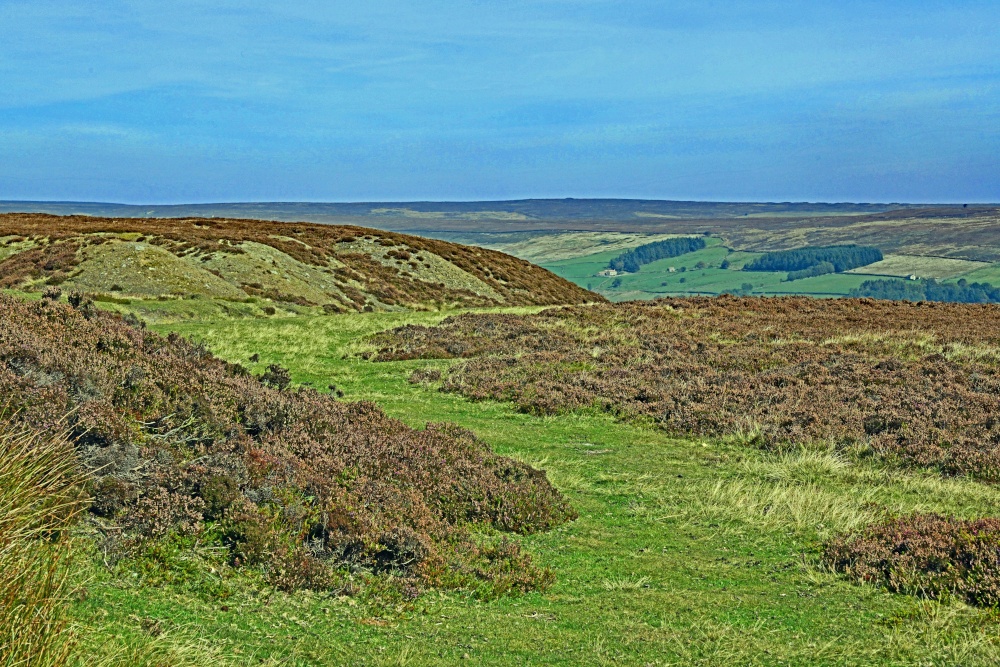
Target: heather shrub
913	384
291	482
425	375
276	376
925	554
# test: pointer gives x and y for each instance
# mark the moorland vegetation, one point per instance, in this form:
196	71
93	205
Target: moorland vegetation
291	484
720	453
691	550
925	554
252	266
781	370
688	550
909	384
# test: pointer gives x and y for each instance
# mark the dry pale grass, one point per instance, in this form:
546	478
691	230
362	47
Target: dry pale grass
40	494
625	584
182	649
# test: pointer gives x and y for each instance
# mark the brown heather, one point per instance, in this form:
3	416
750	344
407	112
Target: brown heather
912	383
925	554
516	282
293	482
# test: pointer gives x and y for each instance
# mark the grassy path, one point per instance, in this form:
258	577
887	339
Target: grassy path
686	552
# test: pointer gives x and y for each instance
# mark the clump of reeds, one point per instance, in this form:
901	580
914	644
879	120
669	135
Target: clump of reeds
40	494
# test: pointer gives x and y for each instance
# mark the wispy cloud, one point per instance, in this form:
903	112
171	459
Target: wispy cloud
525	96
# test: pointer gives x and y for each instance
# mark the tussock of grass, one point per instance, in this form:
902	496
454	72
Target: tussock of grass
40	494
804	466
174	648
799	507
625	584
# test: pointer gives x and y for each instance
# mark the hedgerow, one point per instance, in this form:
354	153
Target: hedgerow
291	481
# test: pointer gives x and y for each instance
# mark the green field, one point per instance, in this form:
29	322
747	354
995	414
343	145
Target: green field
989	274
656	279
686	552
924	267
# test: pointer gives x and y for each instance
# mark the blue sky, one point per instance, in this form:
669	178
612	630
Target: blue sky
164	102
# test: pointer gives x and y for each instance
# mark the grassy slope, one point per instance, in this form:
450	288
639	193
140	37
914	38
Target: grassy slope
989	274
686	552
257	267
925	267
543	248
655	279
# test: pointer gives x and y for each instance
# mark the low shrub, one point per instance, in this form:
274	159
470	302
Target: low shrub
913	384
425	375
925	554
291	481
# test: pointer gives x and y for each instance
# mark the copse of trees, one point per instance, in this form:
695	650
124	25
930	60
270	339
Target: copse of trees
817	270
928	290
842	257
631	260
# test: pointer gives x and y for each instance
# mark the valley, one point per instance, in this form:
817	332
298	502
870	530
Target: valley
671	482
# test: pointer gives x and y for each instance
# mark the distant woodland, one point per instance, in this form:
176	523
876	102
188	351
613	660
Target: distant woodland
808	262
632	260
929	290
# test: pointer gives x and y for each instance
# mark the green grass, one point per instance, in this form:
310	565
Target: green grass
989	274
656	279
201	309
685	552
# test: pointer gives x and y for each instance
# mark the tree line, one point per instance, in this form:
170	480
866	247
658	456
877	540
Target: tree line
815	270
631	260
840	257
928	290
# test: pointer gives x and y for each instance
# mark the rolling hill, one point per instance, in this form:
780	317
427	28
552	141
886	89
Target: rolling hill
248	267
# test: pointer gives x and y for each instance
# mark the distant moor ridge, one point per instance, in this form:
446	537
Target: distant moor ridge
265	264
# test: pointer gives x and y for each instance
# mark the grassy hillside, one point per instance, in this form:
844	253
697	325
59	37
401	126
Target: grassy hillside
164	268
687	278
695	273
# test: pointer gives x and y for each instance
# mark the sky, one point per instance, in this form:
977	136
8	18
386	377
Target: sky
224	101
